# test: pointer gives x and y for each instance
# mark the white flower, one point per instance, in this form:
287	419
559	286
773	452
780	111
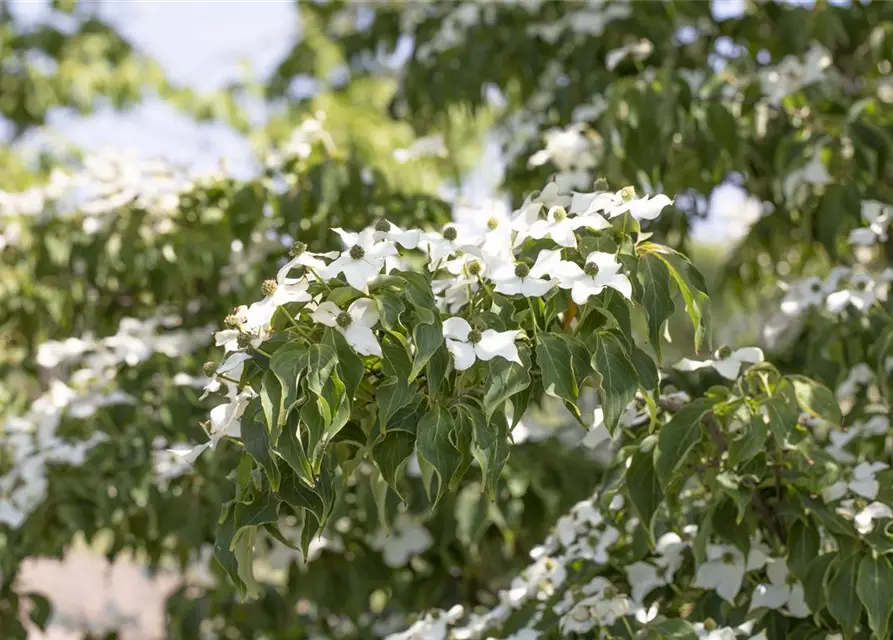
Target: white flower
408	239
862	483
259	314
728	365
225	418
803	295
514	279
813	173
355	324
635	51
857	377
454	238
859	293
864	519
644	577
305	258
601	270
363	259
466	344
725	568
623	201
560	227
567	149
408	539
878	215
782	591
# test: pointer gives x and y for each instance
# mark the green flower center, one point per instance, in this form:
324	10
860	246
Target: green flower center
724	352
492	223
522	270
560	214
383	226
728	558
343	319
628	193
601	184
357	252
590	269
243	341
709	624
269	287
474	268
296	249
232	321
474	336
450	234
209	368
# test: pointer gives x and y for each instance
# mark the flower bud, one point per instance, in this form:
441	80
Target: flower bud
268	287
296	249
232	321
724	352
559	214
450	234
590	269
357	252
474	268
601	184
522	270
209	368
474	336
492	224
344	320
382	225
628	193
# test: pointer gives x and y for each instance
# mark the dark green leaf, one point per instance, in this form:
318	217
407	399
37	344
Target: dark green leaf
643	488
392	396
677	438
291	449
287	364
814	584
619	378
554	360
271	400
350	365
390	456
842	597
875	588
816	399
257	442
263	510
505	380
226	530
803	545
395	359
657	297
750	443
436	446
428	338
670	629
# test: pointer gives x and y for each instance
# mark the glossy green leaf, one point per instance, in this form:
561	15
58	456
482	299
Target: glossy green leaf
874	585
677	438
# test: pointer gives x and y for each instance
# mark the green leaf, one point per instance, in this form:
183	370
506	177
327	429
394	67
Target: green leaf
263	510
554	359
783	415
244	551
490	445
842	597
418	290
390	306
657	297
257	442
287	363
727	527
619	379
750	443
816	399
471	514
435	370
436	446
271	400
643	488
677	438
350	365
692	287
875	588
390	456
320	361
505	380
803	546
223	553
427	338
300	496
645	367
723	127
40	610
814	584
395	359
291	449
671	629
392	396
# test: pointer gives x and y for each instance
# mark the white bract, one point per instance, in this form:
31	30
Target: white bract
724	569
599	271
727	363
521	279
362	261
782	591
355	324
467	345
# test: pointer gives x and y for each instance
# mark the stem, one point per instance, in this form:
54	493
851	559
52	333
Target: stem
262	352
533	317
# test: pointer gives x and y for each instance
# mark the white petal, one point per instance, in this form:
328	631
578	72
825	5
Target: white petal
456	328
567	273
510	286
349	239
649	208
643	579
363	340
618	282
797	602
363	312
837	301
778	572
769	596
534	288
546	262
563	234
326	313
590	221
463	354
863	236
727	368
835	492
604	261
585	288
867	488
496	343
752	355
692	365
358	273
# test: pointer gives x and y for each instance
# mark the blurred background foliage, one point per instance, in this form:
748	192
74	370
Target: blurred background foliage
391	109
